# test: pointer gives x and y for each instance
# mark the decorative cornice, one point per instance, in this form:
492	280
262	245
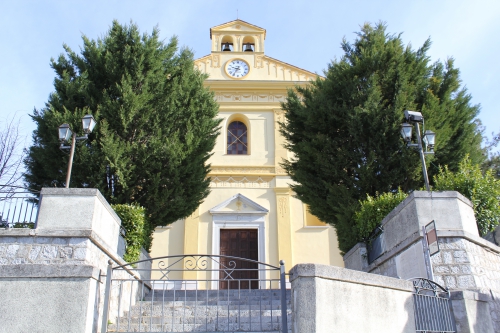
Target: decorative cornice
283	71
237	25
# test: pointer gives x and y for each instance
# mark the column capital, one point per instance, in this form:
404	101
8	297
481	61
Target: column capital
282	190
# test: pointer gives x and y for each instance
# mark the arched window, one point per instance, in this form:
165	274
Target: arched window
237	138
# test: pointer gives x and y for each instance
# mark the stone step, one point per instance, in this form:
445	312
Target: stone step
214	294
201	303
203	298
210	328
188	315
204	311
159	310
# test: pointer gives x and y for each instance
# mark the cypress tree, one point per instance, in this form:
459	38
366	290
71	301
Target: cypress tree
156	123
344	129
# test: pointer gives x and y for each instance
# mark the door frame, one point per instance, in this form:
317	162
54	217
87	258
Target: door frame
238	221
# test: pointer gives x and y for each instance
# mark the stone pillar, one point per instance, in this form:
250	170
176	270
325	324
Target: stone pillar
51	277
471	312
284	228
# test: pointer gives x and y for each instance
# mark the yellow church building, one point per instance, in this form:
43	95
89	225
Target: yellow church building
251	211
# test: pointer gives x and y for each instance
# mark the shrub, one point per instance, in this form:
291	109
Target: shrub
483	190
138	231
373	210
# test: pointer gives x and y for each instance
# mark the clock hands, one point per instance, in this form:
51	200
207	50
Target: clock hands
237	69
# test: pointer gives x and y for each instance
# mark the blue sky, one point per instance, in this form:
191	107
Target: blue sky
306	34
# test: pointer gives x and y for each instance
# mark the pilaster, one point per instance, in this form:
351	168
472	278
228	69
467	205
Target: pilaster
191	235
284	228
280	153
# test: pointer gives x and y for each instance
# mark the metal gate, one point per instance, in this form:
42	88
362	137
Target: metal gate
184	293
432	307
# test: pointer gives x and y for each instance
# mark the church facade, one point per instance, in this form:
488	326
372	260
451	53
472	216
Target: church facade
251	211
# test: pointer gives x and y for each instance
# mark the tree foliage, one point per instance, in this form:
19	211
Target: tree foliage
491	149
344	128
374	209
137	232
156	123
482	189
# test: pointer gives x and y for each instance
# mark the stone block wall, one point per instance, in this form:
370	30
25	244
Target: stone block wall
29	247
470	264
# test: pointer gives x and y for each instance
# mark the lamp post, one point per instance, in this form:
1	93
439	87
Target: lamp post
414	118
65	133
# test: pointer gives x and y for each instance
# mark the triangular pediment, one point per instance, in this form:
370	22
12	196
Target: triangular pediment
238	204
237	26
269	69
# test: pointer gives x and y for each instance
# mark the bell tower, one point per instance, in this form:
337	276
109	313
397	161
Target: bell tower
237	36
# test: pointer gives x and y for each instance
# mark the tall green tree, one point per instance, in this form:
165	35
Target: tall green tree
344	128
156	123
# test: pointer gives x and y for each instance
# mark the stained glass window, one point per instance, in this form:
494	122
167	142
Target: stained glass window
237	139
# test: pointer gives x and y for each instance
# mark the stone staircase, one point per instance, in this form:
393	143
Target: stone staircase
257	310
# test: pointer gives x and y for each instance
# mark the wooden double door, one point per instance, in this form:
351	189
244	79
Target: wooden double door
242	243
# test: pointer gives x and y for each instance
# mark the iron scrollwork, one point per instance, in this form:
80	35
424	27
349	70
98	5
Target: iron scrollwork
422	286
196	263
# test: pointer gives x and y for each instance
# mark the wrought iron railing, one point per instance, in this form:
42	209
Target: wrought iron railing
18	207
196	293
432	307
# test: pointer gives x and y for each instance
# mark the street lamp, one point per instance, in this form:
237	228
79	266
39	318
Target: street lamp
65	133
414	118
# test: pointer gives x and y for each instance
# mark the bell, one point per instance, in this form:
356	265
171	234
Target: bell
225	47
248	48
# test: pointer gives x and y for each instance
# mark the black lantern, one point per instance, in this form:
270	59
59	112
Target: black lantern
88	123
429	138
64	133
415	118
406	131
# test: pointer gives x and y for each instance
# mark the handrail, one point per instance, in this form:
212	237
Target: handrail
200	257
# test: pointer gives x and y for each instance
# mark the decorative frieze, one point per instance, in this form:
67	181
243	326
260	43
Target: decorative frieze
241	182
280	171
231	96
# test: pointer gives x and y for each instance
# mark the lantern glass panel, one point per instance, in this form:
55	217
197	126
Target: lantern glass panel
429	138
64	132
406	131
88	123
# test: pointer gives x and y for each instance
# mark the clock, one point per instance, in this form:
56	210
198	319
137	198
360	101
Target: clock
237	68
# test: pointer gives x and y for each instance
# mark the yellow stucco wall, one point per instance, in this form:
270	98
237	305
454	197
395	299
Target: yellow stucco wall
254	100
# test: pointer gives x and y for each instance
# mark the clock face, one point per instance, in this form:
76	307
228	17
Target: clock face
237	68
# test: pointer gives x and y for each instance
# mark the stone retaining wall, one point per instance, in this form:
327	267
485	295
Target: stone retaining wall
466	262
334	299
55	274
